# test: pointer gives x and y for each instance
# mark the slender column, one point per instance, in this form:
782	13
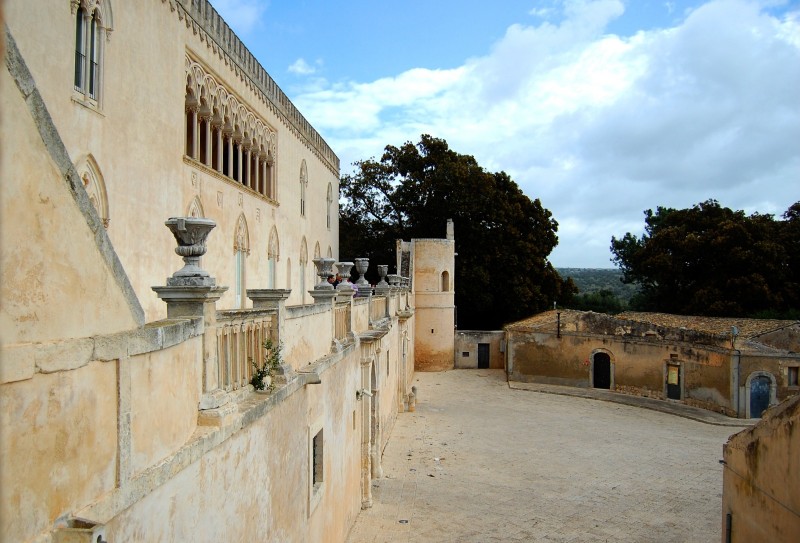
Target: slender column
248	181
208	141
219	149
257	172
195	135
239	163
229	150
192	149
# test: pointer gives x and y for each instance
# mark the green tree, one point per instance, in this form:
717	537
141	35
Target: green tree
503	237
601	301
711	260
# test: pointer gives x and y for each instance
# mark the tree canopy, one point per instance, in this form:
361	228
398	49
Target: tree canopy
711	260
503	238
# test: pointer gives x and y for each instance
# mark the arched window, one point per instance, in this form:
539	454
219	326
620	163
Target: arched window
241	248
92	29
303	183
95	187
272	259
329	204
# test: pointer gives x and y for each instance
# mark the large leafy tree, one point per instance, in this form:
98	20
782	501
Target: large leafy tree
711	260
502	237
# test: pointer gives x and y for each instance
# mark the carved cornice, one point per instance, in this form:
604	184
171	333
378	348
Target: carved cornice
204	22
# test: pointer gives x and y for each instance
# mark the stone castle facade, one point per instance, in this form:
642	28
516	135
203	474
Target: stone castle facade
125	396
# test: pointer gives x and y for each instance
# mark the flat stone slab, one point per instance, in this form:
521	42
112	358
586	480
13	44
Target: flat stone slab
479	461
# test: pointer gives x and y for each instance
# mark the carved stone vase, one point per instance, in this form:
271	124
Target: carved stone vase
383	269
362	265
344	270
191	234
324	269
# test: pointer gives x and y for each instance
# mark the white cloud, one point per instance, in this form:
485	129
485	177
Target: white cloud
241	15
598	126
301	67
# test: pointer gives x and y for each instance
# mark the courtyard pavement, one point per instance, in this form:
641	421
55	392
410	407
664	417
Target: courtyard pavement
479	461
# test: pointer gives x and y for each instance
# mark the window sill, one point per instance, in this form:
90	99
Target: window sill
214	173
89	103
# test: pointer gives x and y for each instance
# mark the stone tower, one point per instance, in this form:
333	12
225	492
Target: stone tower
430	263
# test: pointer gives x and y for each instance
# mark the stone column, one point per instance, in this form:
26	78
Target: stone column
209	147
366	432
220	149
239	163
229	152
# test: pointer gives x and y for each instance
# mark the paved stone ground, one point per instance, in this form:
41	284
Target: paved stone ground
481	462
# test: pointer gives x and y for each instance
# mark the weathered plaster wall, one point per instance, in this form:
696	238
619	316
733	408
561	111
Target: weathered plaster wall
307	334
466	341
257	482
52	286
761	479
58	446
638	365
165	381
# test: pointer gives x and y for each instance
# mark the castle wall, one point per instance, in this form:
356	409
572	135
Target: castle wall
136	137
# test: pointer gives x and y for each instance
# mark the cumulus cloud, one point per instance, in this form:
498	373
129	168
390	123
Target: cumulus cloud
600	126
301	67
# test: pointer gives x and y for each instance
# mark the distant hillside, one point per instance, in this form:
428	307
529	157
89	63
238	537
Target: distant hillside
590	280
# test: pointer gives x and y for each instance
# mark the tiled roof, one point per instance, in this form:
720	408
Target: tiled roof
748	328
546	318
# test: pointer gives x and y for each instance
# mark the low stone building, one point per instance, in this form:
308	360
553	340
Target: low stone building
738	367
761	479
479	349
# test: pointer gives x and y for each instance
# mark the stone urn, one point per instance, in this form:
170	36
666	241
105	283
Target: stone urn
191	234
324	269
362	265
383	269
344	270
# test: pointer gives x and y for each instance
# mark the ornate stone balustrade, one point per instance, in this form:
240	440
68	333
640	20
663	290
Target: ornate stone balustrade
342	321
240	342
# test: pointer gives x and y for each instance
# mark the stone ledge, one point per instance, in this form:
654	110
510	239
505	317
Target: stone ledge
21	361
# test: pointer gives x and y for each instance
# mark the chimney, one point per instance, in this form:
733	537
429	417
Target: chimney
450	230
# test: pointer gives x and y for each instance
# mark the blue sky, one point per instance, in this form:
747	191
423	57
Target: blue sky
601	109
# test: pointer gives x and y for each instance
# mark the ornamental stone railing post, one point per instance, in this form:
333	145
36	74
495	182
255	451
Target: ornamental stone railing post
362	265
344	270
323	291
382	287
191	292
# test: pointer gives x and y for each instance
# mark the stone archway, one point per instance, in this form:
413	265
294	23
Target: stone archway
601	370
761	391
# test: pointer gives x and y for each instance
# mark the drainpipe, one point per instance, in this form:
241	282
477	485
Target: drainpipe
737	388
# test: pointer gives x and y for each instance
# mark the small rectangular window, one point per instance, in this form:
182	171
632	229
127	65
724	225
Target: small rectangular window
465	354
793	376
317	459
316	465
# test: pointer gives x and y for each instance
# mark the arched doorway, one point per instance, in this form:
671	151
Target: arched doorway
759	395
601	370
